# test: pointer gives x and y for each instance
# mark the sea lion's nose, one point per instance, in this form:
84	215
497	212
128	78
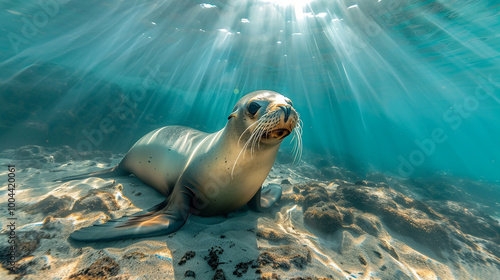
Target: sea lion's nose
287	109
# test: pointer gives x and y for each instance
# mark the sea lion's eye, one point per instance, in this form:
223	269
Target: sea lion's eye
253	108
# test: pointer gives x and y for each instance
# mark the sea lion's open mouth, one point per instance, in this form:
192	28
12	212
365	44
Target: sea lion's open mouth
277	133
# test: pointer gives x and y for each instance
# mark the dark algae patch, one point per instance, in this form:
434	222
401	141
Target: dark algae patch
187	256
242	267
219	275
213	257
189	273
285	262
51	205
103	268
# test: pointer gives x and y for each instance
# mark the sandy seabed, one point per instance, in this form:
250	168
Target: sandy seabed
330	224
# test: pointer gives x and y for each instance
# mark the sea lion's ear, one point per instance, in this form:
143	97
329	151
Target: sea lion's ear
233	114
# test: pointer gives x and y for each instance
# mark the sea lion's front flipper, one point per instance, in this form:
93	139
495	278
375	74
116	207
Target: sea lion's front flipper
265	198
164	218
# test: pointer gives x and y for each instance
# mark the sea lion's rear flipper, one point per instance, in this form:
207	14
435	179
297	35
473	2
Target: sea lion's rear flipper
265	198
106	173
164	218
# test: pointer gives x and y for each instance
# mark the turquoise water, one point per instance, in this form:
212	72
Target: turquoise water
406	87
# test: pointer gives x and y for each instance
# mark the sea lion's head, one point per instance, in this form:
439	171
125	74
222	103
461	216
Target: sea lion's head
263	117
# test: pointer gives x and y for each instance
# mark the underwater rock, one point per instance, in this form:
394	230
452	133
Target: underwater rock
313	198
362	206
424	231
398	212
319	210
293	198
365	183
469	220
347	215
445	188
324	217
190	273
306	195
285	182
360	209
313	193
187	256
369	223
101	269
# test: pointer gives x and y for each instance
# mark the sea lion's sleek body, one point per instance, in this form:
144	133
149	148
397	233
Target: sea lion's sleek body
200	173
200	159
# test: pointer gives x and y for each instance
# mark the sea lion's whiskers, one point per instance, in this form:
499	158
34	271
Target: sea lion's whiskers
261	127
239	139
299	142
297	137
257	134
259	131
265	128
250	139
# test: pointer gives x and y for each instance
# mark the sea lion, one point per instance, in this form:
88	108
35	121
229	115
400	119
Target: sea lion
201	173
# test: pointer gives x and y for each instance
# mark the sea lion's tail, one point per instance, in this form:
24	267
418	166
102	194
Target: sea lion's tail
106	173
